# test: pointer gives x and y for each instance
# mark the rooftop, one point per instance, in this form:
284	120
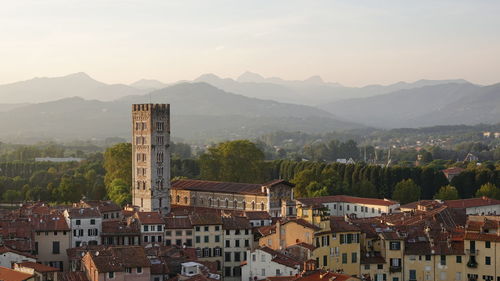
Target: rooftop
471	202
347	199
7	274
38	267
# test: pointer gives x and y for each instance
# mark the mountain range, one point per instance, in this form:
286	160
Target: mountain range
214	108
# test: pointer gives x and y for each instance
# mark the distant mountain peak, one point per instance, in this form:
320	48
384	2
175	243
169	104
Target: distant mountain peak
248	76
316	79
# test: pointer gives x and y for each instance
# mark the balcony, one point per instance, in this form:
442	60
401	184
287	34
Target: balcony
394	269
472	252
472	263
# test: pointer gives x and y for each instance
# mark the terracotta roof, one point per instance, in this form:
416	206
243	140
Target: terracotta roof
321	275
338	224
205	219
471	202
81	213
303	245
235	223
391	235
38	267
51	222
303	223
126	226
119	257
72	276
482	237
453	170
281	258
258	215
373	259
278	181
413	205
281	278
266	230
149	217
347	199
7	274
178	223
216	186
5	249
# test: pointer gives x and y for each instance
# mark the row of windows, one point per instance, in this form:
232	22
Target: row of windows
235	256
128	270
237	243
140	140
112	215
47	233
209	252
219	203
141	184
152	238
141	171
363	208
152	228
348	238
141	157
179	232
206	239
178	242
81	233
79	222
232	271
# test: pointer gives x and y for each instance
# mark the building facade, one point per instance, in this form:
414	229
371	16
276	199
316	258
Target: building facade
151	157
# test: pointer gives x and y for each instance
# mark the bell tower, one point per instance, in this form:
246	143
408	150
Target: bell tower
151	157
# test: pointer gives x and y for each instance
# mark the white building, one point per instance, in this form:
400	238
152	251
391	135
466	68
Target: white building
341	205
265	262
259	218
476	206
152	227
85	225
10	256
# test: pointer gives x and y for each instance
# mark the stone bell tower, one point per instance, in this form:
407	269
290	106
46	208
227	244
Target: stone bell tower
151	157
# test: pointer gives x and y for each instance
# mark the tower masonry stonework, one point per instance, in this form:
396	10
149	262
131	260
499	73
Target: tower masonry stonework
151	157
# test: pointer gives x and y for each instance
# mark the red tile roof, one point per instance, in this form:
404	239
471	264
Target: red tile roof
303	223
216	186
471	202
321	275
119	257
347	199
72	276
117	227
482	237
5	249
205	219
38	267
81	213
258	215
51	222
281	258
178	223
239	223
453	170
7	274
149	217
338	224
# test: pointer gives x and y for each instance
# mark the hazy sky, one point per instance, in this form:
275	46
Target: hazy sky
351	42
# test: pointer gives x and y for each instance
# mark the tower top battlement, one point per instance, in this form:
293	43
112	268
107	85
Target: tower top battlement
150	107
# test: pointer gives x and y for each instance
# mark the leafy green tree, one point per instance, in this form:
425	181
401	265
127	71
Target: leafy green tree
489	190
11	196
118	163
406	191
233	161
447	192
119	192
365	189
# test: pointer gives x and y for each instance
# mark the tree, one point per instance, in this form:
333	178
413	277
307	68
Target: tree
406	191
118	163
11	195
119	192
233	161
488	190
364	189
447	192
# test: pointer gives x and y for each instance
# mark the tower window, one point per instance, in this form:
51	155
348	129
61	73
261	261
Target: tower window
159	126
159	140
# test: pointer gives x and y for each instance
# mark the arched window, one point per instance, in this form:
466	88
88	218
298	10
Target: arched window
235	204
193	201
218	202
253	205
262	206
209	202
177	199
244	205
185	200
227	203
202	202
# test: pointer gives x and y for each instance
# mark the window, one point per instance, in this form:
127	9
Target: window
111	274
178	242
217	252
380	266
395	245
427	257
197	228
237	256
78	222
139	270
254	257
128	270
247	243
189	242
178	233
458	276
189	232
217	228
206	252
487	244
168	242
263	258
217	238
325	260
228	243
159	126
237	243
367	267
459	259
206	239
344	258
413	274
487	260
55	247
168	233
92	221
198	239
278	272
146	238
146	227
354	257
227	256
227	271
205	228
263	272
443	260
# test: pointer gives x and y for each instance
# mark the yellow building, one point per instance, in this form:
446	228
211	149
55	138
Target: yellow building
208	240
482	248
289	232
